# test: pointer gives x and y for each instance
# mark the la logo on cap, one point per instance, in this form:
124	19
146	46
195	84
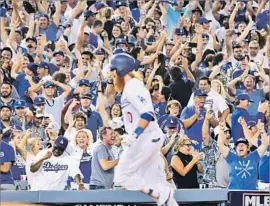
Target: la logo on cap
62	142
171	121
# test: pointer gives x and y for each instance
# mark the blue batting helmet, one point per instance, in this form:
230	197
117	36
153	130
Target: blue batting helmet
122	63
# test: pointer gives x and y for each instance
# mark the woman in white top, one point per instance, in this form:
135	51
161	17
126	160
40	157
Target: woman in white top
83	144
36	145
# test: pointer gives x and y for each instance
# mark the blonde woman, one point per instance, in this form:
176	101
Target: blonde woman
219	88
18	167
83	148
185	164
36	145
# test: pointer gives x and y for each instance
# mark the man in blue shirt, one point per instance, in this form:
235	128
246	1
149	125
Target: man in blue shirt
193	118
94	121
47	28
242	104
243	164
7	157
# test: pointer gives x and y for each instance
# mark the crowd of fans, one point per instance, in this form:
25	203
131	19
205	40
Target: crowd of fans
205	63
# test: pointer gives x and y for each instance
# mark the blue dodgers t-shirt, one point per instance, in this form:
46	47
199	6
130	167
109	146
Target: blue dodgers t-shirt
264	167
243	171
18	167
22	85
257	95
93	39
136	14
160	109
85	167
195	131
173	17
50	32
237	130
6	155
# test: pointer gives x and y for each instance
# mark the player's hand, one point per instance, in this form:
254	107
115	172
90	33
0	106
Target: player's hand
128	140
47	155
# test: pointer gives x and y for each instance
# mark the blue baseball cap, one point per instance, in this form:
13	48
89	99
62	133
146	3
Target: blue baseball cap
172	122
85	82
204	20
267	12
89	13
120	41
121	3
244	96
39	100
179	32
58	52
43	65
32	38
100	52
100	5
32	67
44	15
200	92
19	31
61	142
48	84
241	140
5	105
20	104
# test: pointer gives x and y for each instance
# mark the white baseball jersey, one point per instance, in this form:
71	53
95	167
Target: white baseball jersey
53	173
135	101
214	98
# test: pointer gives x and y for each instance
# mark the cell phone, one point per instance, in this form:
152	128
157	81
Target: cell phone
226	26
192	45
28	7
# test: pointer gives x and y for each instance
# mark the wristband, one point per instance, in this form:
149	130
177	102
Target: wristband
139	130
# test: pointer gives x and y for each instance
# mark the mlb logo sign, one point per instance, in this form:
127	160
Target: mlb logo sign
256	199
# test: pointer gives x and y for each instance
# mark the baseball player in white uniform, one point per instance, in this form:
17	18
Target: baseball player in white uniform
52	168
139	167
